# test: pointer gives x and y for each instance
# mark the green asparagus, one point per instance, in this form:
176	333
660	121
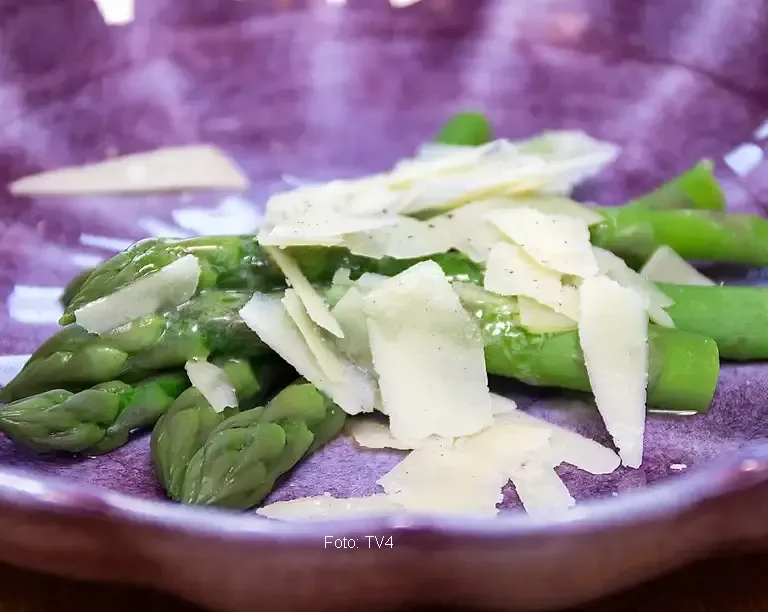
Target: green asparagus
635	233
682	372
207	325
93	421
695	189
241	459
73	287
187	423
467	128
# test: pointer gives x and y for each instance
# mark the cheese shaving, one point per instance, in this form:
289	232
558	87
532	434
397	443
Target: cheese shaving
541	490
373	433
666	266
428	354
407	239
557	242
213	384
312	301
613	331
327	229
168	287
166	169
266	315
540	319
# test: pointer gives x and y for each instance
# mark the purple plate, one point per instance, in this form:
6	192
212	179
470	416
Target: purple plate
319	90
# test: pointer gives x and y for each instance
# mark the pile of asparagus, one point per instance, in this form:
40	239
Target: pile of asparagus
86	393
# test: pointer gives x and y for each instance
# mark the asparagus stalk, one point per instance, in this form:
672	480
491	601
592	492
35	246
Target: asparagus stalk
93	421
635	233
696	189
186	425
467	128
683	366
242	457
207	325
73	286
735	317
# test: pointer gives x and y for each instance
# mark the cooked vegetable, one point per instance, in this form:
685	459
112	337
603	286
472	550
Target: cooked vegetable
207	325
695	189
184	427
93	421
701	235
240	459
666	266
468	128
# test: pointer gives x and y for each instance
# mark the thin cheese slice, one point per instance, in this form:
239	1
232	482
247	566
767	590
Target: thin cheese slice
350	314
510	271
469	229
654	299
540	319
445	480
501	404
266	315
557	242
428	354
325	507
325	355
314	304
557	205
566	446
369	432
666	266
168	169
407	239
613	331
313	228
213	384
168	287
541	491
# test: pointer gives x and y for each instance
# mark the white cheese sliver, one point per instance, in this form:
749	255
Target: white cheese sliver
311	228
370	432
613	331
445	480
316	307
654	299
407	239
167	169
350	314
510	271
666	266
541	490
428	354
540	319
325	507
326	357
557	205
501	404
213	384
558	242
266	315
168	287
567	446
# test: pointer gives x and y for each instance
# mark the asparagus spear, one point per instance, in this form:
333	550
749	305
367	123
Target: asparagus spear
696	188
185	426
683	366
243	456
467	128
207	325
93	421
73	286
735	317
635	233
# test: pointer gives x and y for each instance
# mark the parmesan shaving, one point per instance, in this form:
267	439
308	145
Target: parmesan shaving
373	433
654	299
266	315
540	319
407	239
428	354
557	205
666	266
168	287
325	507
444	480
213	384
349	312
557	242
324	230
167	169
613	331
316	308
541	490
326	357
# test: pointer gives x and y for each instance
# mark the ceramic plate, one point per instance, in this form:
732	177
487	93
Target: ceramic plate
303	91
